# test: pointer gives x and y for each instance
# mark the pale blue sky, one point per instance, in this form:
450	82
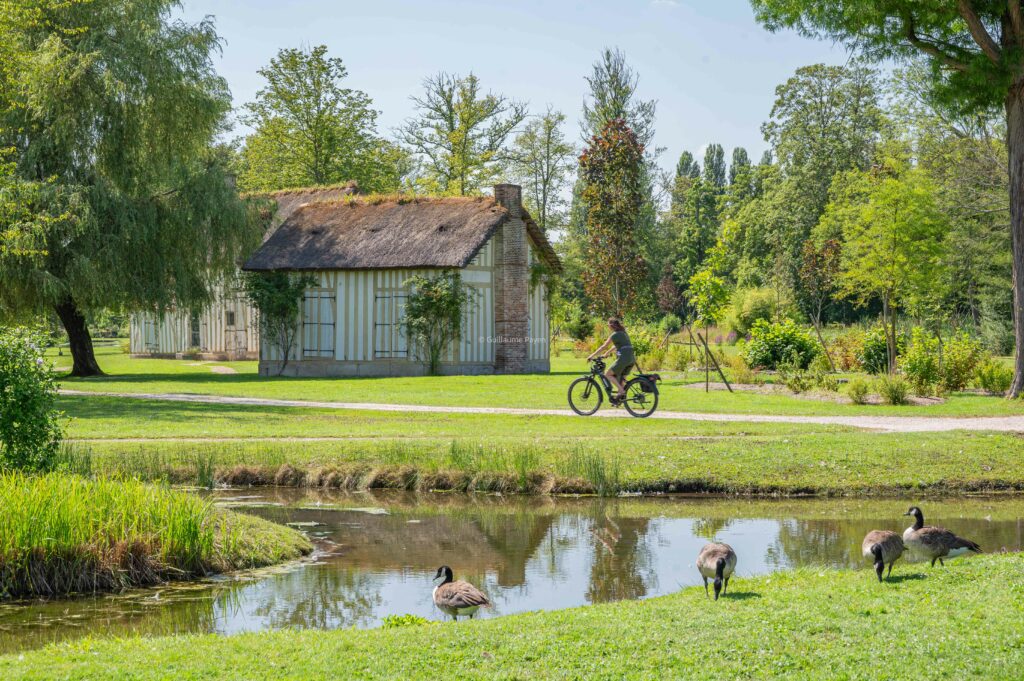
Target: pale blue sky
712	69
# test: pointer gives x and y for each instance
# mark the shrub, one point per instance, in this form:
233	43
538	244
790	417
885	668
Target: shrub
579	326
821	374
858	390
920	363
960	361
30	425
772	344
677	358
893	389
846	349
993	377
874	354
795	377
433	316
751	305
669	325
643	340
654	359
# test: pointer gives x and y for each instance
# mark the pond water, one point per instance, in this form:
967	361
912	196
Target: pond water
376	555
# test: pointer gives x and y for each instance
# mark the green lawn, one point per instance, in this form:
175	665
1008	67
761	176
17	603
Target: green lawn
961	620
534	390
517	453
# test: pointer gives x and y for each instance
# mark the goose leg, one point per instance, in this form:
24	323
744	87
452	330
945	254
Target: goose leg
889	574
706	592
933	562
726	585
940	562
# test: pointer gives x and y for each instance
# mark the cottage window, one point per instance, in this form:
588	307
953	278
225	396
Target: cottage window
229	318
389	340
194	335
318	308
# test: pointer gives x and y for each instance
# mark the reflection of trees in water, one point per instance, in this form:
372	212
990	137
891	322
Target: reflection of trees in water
818	542
621	566
320	596
515	537
708	528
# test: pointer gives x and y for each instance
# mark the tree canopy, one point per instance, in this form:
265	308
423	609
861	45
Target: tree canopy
310	130
109	110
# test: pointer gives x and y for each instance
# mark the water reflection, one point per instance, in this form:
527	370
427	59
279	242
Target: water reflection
378	553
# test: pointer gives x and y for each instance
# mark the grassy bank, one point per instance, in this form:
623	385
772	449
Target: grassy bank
534	390
811	463
963	620
62	534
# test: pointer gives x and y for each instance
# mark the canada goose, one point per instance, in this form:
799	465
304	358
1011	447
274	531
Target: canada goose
934	542
717	561
457	598
884	548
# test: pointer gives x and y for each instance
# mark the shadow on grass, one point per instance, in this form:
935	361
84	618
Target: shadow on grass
740	595
912	577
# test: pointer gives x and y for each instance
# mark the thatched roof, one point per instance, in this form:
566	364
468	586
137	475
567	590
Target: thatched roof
389	232
289	200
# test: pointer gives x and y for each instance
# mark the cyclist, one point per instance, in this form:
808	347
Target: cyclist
623	349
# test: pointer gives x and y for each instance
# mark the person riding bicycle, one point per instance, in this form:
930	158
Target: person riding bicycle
625	359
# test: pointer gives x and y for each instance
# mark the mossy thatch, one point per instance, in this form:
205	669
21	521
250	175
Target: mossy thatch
383	232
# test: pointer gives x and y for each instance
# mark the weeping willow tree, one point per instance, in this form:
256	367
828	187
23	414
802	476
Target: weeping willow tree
115	195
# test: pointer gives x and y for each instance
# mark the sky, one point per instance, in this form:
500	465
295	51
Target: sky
710	66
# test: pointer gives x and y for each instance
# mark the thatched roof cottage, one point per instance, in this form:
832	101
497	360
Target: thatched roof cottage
362	252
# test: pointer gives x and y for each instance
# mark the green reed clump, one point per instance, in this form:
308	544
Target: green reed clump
62	533
602	473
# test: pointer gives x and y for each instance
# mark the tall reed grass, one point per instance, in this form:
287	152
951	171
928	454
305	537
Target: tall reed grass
62	533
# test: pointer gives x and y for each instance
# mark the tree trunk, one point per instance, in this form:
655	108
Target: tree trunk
1015	152
889	324
79	339
824	345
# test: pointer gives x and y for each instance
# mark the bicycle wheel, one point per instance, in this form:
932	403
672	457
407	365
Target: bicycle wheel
639	403
585	396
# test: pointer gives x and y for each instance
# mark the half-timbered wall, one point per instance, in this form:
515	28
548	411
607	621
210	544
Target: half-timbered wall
228	327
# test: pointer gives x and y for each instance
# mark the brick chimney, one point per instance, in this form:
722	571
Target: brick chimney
511	284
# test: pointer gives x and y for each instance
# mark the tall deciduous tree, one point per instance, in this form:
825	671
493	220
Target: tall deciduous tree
460	133
819	274
976	52
740	165
110	109
893	233
543	164
310	130
612	175
714	167
613	96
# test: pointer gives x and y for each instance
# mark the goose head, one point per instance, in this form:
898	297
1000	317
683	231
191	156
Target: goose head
918	516
444	571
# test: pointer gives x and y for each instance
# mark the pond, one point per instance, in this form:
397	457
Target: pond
376	555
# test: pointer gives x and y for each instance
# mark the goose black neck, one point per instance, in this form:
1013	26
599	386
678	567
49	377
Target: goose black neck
447	576
918	520
719	568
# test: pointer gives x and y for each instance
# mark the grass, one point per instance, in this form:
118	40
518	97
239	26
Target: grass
963	620
63	534
533	390
806	462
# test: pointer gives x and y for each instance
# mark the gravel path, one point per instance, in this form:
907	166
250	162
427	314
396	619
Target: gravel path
892	424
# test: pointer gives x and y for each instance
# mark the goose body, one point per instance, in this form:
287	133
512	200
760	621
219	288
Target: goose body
718	562
935	543
882	547
457	597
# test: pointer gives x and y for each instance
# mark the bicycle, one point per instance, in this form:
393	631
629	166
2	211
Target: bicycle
586	394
